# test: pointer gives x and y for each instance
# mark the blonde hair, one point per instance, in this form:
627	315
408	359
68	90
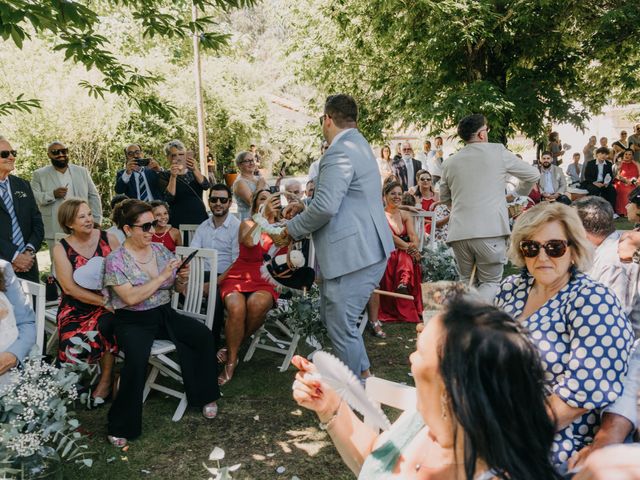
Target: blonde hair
68	211
535	218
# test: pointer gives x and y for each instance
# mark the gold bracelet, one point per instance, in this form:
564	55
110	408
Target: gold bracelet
327	424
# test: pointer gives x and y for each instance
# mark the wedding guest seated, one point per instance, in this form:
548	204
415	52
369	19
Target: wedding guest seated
598	176
165	234
78	260
552	183
627	173
596	215
403	273
17	321
140	277
577	324
575	170
423	192
246	294
479	386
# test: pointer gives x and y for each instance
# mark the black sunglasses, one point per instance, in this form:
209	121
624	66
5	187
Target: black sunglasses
322	117
7	153
60	151
222	200
146	226
553	248
425	179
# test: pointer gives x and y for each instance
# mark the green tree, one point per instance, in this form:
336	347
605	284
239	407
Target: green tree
74	26
523	63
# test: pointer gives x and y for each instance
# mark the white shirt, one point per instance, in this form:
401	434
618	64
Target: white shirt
66	181
313	169
424	158
223	240
434	166
627	403
139	177
610	271
600	166
547	181
411	175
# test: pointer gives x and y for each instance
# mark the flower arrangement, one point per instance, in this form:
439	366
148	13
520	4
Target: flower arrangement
36	427
301	313
438	263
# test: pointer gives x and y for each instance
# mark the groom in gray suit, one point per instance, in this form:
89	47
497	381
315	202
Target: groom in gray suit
350	231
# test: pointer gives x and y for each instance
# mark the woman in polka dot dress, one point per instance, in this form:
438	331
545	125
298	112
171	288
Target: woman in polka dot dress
578	325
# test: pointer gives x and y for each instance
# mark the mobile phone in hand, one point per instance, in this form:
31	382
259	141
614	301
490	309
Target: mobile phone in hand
186	261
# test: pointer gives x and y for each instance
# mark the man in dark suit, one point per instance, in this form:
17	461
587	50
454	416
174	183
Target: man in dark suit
598	177
405	167
21	227
139	179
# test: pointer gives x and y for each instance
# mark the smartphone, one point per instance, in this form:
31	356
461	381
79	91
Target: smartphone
142	162
186	261
273	189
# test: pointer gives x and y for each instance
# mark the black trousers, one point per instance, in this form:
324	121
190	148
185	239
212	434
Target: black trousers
608	193
135	332
218	313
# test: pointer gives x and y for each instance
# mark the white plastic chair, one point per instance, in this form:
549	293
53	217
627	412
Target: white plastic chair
190	230
419	219
37	292
159	360
385	392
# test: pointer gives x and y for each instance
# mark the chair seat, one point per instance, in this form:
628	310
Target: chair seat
160	347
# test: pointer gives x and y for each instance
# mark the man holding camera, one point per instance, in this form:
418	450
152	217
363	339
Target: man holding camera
139	179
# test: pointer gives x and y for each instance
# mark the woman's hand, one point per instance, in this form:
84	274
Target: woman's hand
176	169
272	206
182	275
168	270
311	393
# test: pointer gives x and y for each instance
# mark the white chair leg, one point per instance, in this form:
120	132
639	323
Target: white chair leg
182	407
290	352
254	344
153	374
363	321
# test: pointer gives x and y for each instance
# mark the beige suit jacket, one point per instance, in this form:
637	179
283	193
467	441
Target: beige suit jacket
558	180
474	183
45	181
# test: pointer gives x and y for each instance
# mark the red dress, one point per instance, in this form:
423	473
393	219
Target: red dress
165	239
628	170
76	318
426	203
401	269
244	275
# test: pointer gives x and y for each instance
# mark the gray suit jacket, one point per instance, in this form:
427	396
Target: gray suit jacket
474	182
346	217
25	317
45	181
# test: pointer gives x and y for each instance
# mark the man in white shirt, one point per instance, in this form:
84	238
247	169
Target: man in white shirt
425	155
553	184
220	233
411	167
434	165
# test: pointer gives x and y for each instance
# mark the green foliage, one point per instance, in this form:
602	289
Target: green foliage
522	63
438	263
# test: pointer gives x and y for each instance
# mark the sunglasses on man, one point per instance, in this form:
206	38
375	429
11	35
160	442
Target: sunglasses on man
146	227
222	200
7	153
553	248
60	151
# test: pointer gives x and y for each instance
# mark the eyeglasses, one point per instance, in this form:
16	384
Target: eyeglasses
553	248
134	153
322	117
8	153
250	160
59	151
146	227
425	179
222	200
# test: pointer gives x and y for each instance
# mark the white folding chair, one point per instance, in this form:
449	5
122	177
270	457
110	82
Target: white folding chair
187	231
159	360
419	220
37	292
51	309
385	392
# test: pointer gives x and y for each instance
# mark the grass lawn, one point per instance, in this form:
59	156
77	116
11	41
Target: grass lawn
259	426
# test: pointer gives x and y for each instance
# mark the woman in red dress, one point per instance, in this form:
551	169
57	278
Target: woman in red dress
164	233
426	197
246	294
82	308
626	178
403	273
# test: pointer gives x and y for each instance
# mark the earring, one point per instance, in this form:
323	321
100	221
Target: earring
444	405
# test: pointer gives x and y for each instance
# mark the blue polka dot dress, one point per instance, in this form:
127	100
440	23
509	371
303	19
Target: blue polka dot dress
584	340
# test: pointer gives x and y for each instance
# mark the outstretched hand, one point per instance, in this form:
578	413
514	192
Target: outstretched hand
310	392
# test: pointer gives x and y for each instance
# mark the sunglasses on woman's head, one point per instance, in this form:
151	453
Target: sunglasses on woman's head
553	248
146	227
6	153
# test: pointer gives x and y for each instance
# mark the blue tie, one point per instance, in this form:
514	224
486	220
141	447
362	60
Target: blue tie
18	239
142	188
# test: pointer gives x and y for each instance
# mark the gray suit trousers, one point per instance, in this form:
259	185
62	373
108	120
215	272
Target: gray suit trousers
342	301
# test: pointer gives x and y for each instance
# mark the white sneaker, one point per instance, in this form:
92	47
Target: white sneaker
615	215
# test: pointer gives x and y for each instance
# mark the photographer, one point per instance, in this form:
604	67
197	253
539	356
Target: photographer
139	179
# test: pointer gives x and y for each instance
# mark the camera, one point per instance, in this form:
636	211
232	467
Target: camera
142	162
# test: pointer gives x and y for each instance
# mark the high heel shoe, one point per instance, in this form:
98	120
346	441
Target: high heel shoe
118	442
376	329
227	372
222	355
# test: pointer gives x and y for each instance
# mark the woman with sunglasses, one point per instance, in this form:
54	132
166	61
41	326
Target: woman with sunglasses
139	277
83	307
426	197
577	324
164	233
246	294
246	184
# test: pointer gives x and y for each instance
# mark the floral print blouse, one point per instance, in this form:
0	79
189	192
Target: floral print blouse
121	268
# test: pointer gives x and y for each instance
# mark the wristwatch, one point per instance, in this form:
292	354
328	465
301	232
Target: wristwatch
635	258
30	251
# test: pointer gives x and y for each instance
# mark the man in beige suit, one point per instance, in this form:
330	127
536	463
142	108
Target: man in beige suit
553	184
473	182
54	183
